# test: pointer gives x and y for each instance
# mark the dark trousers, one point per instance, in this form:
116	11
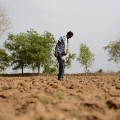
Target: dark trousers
61	66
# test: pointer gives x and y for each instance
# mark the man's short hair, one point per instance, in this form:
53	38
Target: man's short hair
70	33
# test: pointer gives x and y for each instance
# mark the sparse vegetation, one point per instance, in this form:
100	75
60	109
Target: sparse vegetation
113	49
85	57
4	20
100	71
42	99
60	95
69	59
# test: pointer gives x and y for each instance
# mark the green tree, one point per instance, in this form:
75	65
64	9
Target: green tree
4	60
113	49
85	57
30	49
34	48
71	56
48	44
16	45
41	49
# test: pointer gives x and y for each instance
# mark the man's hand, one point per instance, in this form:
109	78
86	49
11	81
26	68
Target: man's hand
64	53
56	54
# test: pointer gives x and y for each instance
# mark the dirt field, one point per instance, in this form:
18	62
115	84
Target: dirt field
95	97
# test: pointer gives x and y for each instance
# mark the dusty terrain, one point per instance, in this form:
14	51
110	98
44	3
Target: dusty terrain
95	97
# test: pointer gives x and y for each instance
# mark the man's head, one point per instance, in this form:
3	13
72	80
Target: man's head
69	34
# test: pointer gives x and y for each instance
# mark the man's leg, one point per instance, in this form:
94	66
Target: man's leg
61	66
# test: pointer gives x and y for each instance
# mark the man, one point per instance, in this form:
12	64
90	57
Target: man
61	50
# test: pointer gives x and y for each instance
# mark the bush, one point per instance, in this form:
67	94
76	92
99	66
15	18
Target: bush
100	71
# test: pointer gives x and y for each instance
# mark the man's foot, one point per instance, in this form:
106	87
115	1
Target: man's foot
60	78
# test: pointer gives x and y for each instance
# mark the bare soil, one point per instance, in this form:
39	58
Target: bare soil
77	97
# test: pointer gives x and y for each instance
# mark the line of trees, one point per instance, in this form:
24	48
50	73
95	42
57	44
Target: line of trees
32	50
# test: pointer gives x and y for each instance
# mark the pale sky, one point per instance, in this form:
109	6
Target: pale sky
94	22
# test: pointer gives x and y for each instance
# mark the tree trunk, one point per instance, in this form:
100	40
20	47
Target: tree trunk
33	68
39	69
86	71
22	68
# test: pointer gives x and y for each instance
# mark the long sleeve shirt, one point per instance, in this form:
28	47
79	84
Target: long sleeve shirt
63	46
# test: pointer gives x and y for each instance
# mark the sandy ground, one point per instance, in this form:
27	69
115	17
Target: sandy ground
95	97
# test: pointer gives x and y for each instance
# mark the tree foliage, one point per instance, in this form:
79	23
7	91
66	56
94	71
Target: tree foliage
49	69
4	20
16	44
53	67
40	51
85	57
71	56
4	60
30	49
113	49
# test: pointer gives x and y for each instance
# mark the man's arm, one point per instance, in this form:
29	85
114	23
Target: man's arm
66	48
56	48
